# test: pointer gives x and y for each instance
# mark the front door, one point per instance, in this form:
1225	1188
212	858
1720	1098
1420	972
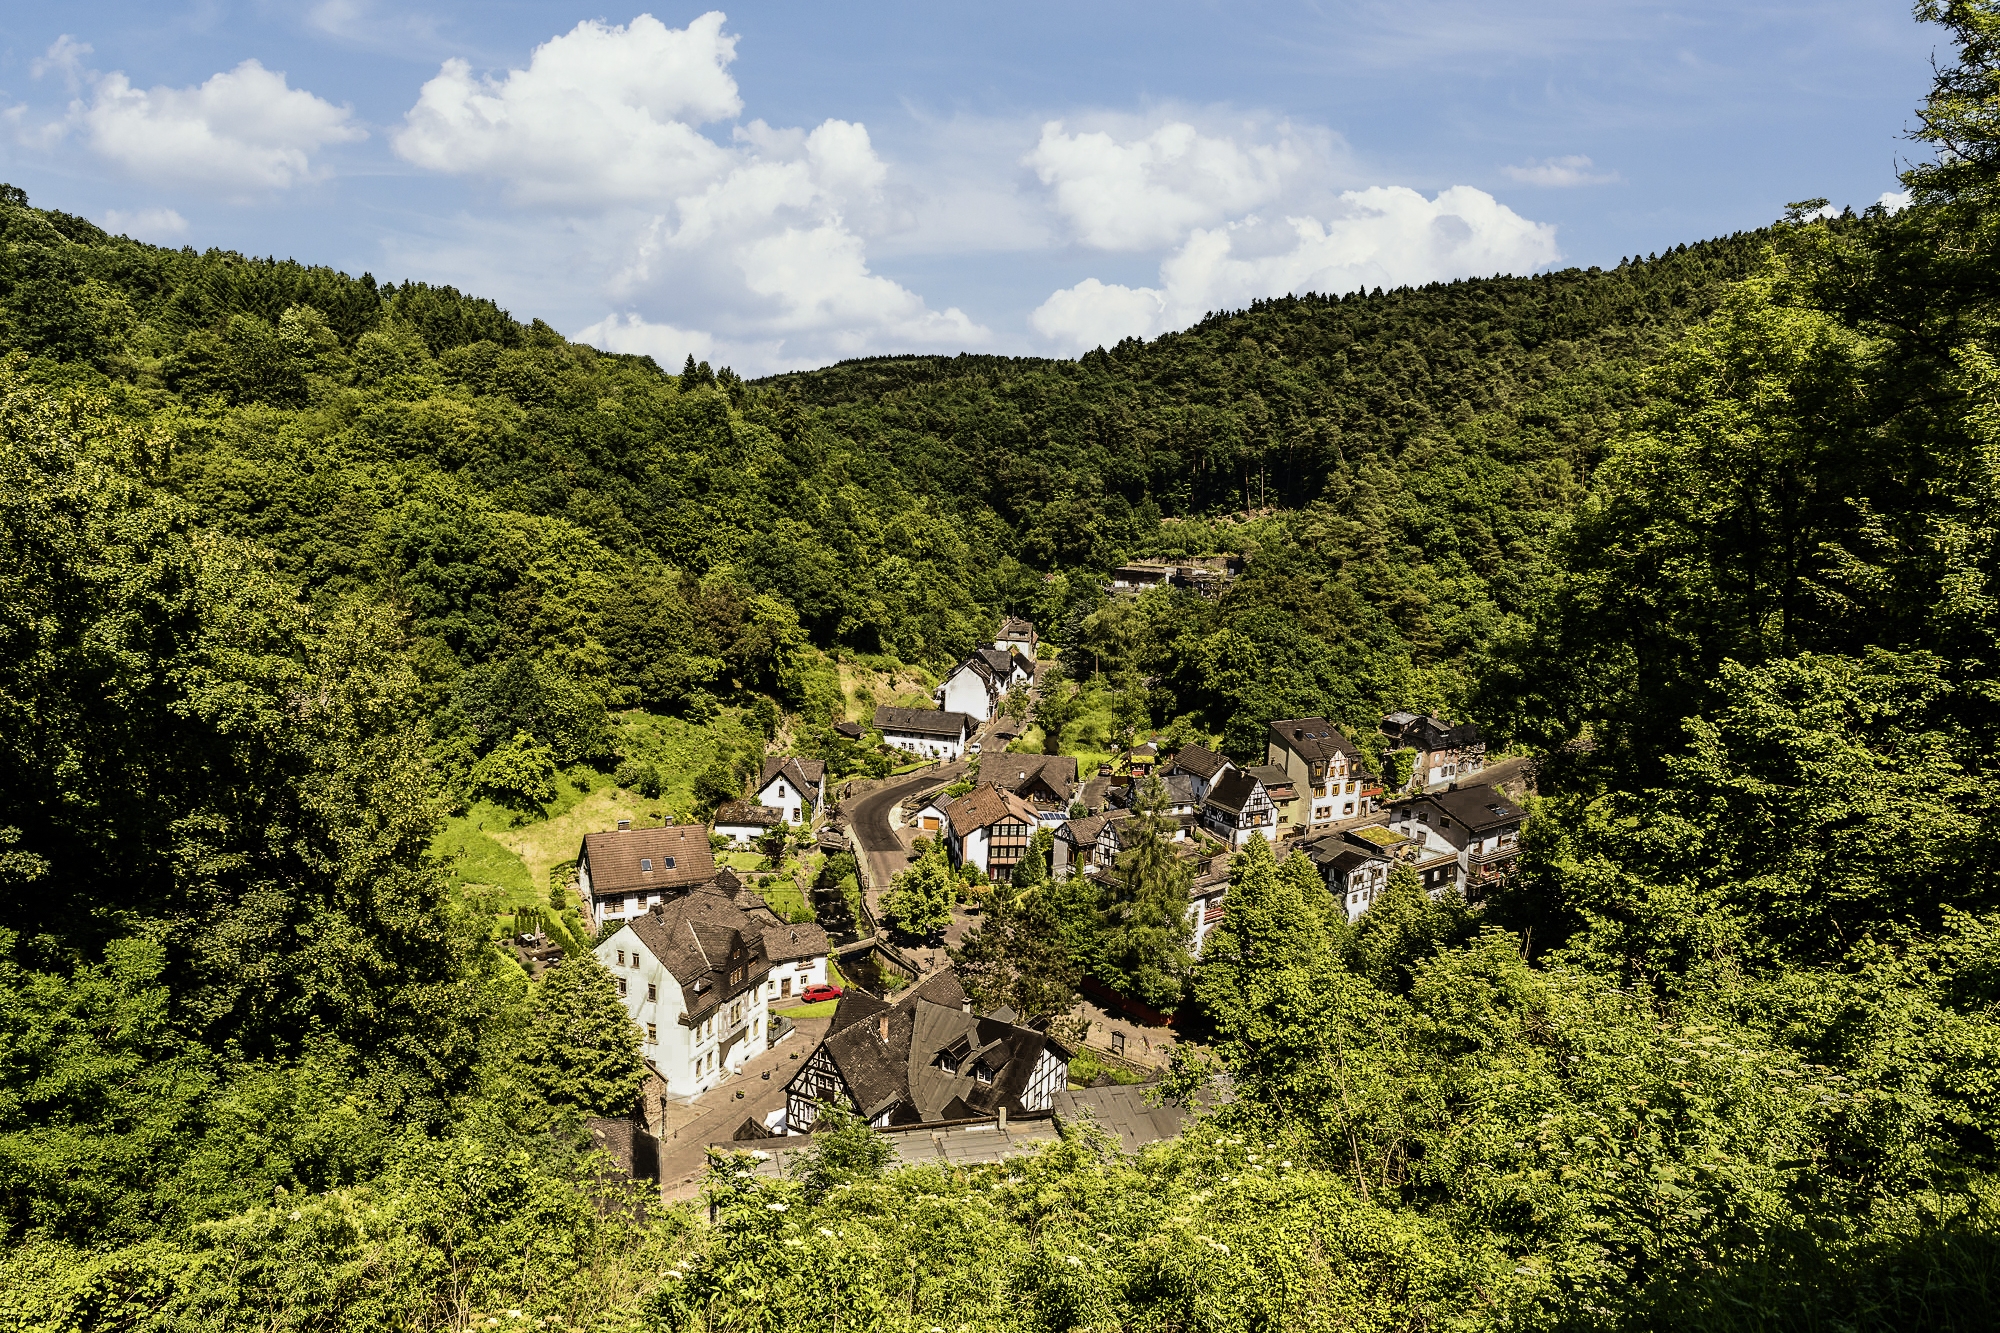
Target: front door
784	987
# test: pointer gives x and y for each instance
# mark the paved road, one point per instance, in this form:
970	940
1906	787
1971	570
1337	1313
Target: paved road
715	1115
875	836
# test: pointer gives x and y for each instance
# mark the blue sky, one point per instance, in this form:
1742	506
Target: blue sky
775	185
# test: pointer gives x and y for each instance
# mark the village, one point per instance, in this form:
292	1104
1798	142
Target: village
751	1021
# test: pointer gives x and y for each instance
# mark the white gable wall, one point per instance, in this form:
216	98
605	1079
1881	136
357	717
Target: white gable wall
964	691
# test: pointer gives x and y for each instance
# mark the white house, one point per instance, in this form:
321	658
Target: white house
692	973
1237	806
1446	752
1326	766
976	686
794	787
933	733
623	873
1202	766
1017	636
1479	827
797	955
989	827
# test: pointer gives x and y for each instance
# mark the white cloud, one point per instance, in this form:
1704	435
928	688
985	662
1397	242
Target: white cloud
146	224
1895	201
1559	172
752	249
1148	192
65	56
1386	236
602	114
243	130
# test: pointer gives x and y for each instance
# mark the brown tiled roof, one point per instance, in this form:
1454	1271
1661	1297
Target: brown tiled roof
701	939
986	804
806	774
922	722
1313	738
747	812
1200	761
614	859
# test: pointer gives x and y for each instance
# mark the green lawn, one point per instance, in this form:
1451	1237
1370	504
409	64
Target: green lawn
824	1009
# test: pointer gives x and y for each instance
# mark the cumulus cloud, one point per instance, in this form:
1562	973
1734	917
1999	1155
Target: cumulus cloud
750	245
602	114
1894	201
146	224
1149	191
1559	172
1384	236
244	130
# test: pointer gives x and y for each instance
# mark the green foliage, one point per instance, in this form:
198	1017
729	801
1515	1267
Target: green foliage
1142	949
581	1052
520	774
920	897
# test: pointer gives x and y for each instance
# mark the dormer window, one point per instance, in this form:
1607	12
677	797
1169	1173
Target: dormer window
646	864
982	1072
947	1061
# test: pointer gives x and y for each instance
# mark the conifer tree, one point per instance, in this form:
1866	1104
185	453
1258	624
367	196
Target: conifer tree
581	1050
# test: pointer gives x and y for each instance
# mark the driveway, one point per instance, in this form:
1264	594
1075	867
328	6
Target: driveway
715	1115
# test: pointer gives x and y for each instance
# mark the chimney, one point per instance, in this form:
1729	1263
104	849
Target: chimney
882	1027
965	1006
1003	1118
624	825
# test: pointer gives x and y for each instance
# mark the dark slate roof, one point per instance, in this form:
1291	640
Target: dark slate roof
614	859
1200	761
852	730
1346	860
1081	832
1276	780
1126	1112
1015	630
1020	772
1180	789
998	661
701	939
787	943
1312	738
1232	791
1480	808
747	812
1430	733
922	722
806	774
887	1055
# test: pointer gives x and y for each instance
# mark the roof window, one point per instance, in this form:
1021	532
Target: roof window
646	864
670	863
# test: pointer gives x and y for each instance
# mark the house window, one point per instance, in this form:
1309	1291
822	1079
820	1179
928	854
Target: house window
1118	1043
621	986
652	1035
621	958
982	1072
652	994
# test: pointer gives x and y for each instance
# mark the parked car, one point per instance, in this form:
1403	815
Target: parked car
814	994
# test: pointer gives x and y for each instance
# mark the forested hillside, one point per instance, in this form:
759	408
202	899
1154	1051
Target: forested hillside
292	564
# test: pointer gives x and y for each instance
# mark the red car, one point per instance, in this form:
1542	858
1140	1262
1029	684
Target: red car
814	994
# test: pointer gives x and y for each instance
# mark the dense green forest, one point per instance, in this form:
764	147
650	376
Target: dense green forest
292	564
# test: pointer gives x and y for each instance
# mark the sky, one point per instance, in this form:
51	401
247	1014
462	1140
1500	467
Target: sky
781	185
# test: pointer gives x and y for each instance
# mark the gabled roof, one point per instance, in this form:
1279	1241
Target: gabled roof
701	939
985	805
887	1055
1081	832
852	730
805	774
679	854
1015	630
922	722
1233	790
747	812
1180	789
1200	761
1312	738
1001	662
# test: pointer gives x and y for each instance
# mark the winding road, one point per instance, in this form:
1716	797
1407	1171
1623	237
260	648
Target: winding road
874	833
